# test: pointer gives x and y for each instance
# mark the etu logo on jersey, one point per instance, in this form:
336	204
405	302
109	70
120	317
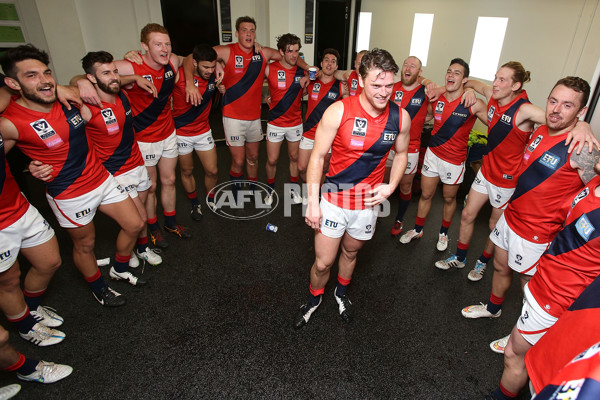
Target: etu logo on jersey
76	120
389	136
584	227
506	119
168	75
256	58
549	160
330	224
331	96
360	127
416	102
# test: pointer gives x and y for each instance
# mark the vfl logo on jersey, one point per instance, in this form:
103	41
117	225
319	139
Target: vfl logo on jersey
360	127
389	136
45	132
506	119
281	79
491	111
168	75
439	107
398	96
549	160
196	83
518	259
332	96
368	228
354	84
580	196
534	144
330	224
584	227
112	126
316	88
239	62
148	78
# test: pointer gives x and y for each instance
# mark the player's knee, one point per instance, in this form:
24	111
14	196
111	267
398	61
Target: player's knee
186	172
4	337
467	216
321	266
212	172
152	188
272	161
406	188
501	268
168	180
10	281
84	245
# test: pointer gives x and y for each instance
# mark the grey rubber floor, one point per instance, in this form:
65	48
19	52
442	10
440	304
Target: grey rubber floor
216	319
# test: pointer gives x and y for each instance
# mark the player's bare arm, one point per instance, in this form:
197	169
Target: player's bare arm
584	163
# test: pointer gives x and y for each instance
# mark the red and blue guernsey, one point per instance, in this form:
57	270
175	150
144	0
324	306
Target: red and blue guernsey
506	142
320	96
110	130
572	261
547	182
354	87
359	152
575	331
58	139
152	118
243	79
451	128
13	205
415	102
192	120
578	380
286	95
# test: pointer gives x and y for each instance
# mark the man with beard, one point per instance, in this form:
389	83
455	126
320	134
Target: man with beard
78	184
447	152
193	130
568	266
285	118
111	131
244	73
550	176
409	94
153	123
360	131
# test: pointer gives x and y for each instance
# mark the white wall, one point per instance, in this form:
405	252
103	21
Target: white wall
551	38
68	29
